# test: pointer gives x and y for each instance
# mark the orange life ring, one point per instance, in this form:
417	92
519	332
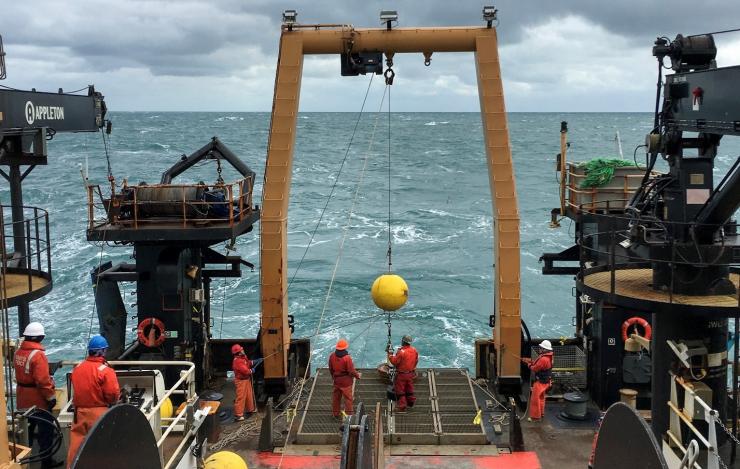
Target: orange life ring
151	338
640	322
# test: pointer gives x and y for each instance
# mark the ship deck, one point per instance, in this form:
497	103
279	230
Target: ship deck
314	439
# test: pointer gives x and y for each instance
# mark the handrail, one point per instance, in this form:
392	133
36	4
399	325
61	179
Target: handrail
125	209
183	375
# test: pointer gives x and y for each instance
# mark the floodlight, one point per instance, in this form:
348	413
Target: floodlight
489	14
289	17
388	17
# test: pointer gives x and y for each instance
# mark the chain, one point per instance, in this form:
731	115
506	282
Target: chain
729	433
219	180
732	437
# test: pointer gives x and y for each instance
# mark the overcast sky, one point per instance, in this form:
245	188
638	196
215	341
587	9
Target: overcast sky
182	55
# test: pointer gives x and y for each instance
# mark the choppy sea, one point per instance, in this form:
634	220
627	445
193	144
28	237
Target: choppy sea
440	221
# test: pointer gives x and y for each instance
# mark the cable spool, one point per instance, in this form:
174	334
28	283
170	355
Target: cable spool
151	332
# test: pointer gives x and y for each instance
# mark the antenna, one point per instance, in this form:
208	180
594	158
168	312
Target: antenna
2	60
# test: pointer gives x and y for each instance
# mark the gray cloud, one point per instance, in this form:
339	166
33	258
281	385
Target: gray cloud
161	54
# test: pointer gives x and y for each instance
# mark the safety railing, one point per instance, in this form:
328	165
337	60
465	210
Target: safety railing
609	252
613	196
25	250
190	205
185	386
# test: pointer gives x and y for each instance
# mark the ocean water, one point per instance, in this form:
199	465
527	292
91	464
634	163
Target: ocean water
440	221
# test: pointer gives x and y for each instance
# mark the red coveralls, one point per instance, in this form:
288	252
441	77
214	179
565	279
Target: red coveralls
95	387
405	361
35	386
244	398
540	366
343	372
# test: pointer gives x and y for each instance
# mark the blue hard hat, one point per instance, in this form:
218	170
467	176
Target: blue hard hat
98	342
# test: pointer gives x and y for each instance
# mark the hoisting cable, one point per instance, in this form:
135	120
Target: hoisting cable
111	180
389	75
341	245
107	156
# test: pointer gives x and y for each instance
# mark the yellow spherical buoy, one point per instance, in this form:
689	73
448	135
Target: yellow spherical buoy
225	460
165	411
390	292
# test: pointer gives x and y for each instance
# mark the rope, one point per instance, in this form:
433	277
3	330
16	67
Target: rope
339	253
333	187
102	244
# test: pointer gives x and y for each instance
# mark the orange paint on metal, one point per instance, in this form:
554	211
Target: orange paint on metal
275	333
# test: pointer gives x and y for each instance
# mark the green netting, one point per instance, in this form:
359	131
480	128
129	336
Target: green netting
600	171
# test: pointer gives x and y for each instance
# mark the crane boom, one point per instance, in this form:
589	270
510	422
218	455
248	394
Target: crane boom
61	112
27	120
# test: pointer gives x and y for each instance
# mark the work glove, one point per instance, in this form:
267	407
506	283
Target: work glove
51	403
257	361
253	370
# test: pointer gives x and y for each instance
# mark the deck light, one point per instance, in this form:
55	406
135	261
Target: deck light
489	15
388	17
289	18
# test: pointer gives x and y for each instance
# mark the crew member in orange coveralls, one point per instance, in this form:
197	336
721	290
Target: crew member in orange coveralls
95	389
343	372
542	368
243	369
36	388
405	361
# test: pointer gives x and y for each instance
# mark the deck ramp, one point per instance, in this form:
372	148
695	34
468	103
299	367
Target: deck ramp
443	414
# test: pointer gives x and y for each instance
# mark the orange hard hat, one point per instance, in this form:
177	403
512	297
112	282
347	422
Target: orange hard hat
342	344
236	348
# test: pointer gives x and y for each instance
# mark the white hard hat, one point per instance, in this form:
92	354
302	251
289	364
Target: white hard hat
545	344
34	329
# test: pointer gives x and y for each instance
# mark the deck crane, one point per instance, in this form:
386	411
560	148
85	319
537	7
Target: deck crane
28	119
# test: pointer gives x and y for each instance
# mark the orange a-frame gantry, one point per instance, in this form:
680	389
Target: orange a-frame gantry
297	41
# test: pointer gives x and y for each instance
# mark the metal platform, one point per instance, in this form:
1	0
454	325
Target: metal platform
443	414
631	285
21	286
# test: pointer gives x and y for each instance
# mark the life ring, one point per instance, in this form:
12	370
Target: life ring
155	336
640	322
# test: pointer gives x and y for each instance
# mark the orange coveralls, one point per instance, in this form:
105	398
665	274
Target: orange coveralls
541	367
95	389
405	361
35	386
244	398
342	370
